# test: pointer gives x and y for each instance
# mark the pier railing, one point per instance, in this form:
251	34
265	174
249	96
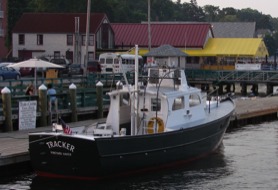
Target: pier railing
86	87
231	76
86	93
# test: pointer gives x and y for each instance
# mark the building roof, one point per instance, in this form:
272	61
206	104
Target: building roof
57	22
234	29
165	51
192	35
231	47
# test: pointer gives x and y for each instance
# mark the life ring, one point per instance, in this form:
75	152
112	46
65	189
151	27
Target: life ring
151	125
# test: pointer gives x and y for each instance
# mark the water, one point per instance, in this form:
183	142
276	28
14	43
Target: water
247	160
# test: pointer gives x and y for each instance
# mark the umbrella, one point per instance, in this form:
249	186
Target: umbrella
35	63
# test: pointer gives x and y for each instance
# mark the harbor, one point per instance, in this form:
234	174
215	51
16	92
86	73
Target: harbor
14	144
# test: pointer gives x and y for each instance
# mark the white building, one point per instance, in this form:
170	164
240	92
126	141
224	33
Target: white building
56	35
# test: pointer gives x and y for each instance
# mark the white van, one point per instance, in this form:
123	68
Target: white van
110	62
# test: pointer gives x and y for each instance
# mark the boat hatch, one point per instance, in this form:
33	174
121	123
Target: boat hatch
103	130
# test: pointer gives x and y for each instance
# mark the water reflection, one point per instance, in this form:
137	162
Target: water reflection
248	160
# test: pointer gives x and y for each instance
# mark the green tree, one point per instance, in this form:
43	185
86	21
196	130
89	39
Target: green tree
211	12
15	10
57	6
270	44
250	15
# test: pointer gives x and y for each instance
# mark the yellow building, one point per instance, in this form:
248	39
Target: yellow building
224	53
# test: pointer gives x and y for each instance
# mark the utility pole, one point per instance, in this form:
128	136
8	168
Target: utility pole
149	25
87	36
76	58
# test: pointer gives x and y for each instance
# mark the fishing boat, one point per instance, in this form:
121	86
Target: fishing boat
152	125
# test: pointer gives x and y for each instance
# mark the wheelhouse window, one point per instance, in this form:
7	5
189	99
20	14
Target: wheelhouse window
21	39
69	39
178	103
155	104
194	100
125	100
39	39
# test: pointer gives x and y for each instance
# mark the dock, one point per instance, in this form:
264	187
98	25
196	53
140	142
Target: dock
14	145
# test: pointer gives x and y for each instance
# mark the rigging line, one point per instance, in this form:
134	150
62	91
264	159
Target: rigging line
144	114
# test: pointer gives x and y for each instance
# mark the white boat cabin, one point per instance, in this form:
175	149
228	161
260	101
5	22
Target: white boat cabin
167	103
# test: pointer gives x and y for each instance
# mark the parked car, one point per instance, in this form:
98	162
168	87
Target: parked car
4	64
62	62
93	67
75	69
9	73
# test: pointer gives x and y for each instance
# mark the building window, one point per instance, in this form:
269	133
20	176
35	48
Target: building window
83	40
90	56
91	40
39	39
57	54
21	39
69	39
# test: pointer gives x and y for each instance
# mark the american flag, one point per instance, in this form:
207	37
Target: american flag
66	128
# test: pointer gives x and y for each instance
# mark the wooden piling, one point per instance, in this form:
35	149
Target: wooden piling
43	105
99	87
7	109
73	105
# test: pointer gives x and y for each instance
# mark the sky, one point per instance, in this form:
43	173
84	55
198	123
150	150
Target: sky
267	7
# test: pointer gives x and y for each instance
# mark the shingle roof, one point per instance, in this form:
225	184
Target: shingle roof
233	29
192	35
56	22
165	51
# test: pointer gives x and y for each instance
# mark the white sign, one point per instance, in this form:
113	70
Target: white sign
27	115
248	66
275	90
